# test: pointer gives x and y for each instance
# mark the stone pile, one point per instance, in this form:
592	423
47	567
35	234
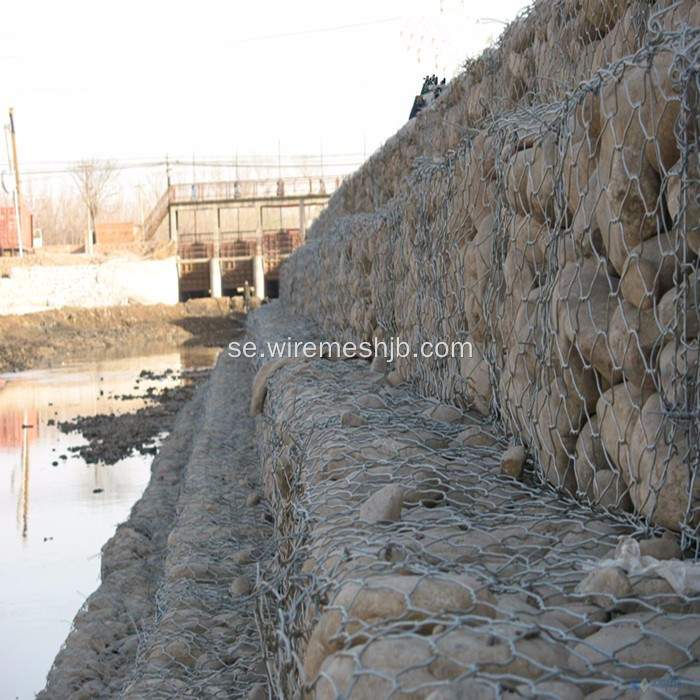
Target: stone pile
174	616
412	564
560	239
538	59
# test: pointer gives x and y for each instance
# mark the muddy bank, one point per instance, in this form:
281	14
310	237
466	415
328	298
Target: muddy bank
112	437
65	335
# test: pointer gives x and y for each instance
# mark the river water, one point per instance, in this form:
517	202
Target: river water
56	511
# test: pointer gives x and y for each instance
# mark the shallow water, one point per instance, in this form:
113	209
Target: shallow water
56	511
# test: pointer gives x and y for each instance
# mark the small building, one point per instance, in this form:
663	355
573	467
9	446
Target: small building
9	241
117	233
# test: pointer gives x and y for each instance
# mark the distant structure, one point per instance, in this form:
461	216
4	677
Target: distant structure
429	93
229	234
10	243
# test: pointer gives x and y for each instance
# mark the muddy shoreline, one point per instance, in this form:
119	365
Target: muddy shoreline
112	437
61	336
165	620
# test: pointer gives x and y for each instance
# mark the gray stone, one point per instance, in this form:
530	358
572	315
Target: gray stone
474	436
379	365
257	692
384	505
666	547
245	556
606	586
513	461
352	420
446	414
394	378
240	586
253	499
373	401
640	645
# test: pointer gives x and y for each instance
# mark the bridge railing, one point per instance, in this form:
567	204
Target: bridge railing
217	191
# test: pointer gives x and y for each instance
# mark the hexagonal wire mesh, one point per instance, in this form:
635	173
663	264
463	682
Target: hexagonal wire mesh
561	238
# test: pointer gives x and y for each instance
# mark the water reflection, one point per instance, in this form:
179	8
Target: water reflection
56	511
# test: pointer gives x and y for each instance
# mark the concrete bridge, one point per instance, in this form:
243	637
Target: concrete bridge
230	232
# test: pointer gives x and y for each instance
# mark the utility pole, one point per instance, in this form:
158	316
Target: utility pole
139	187
88	204
172	224
18	185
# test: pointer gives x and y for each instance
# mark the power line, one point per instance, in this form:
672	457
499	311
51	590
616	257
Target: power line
322	30
346	160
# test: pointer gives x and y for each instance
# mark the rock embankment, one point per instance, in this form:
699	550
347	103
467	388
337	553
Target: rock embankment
508	523
173	616
559	238
412	564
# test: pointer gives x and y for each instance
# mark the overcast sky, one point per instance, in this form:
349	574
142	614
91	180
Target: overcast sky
141	79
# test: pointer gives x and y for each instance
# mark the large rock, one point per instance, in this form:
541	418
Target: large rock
610	491
635	335
477	380
661	451
518	389
589	457
259	388
606	587
513	461
683	199
630	163
638	645
678	312
384	506
618	411
583	304
560	415
392	597
415	663
677	370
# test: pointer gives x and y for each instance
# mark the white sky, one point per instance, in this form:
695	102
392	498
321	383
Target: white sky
141	79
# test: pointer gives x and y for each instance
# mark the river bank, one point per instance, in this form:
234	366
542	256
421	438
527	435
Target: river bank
61	336
174	608
356	538
61	498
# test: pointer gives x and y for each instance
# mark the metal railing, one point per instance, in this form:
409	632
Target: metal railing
245	189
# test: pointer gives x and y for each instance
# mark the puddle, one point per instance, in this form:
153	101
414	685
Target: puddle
56	511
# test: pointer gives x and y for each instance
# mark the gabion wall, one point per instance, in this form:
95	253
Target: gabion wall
560	237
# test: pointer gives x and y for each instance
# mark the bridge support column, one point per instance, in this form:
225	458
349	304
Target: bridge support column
302	221
172	223
217	232
215	277
259	276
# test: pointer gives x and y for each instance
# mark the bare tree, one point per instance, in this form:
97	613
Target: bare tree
58	211
94	180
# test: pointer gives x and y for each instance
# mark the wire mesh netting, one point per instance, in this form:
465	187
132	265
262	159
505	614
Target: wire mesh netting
519	521
559	238
174	614
408	566
561	242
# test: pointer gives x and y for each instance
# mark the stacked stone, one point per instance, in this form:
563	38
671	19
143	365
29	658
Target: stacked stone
561	241
416	558
174	614
203	642
539	58
99	655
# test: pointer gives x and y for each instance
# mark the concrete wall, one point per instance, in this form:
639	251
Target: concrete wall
114	283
